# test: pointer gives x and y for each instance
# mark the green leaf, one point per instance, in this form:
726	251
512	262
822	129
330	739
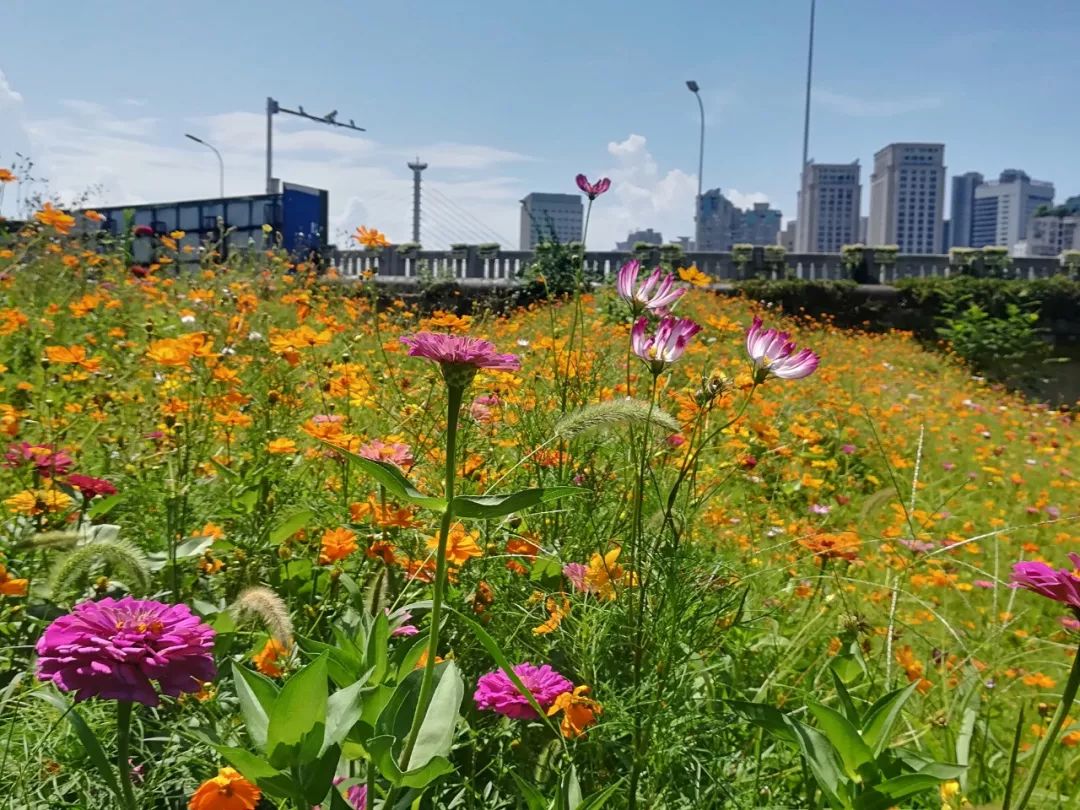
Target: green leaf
963	741
262	773
342	711
297	721
886	794
767	717
389	476
436	735
290	526
570	790
848	667
856	755
822	760
86	736
256	694
317	778
103	506
598	800
880	718
493	506
850	712
382	752
534	799
342	665
378	641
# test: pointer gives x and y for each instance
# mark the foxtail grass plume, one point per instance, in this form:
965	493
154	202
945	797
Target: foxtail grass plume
262	605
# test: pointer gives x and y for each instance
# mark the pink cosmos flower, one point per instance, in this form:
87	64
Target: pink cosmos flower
114	649
774	354
593	190
668	343
1060	584
394	452
575	572
91	487
482	407
400	623
983	583
459	357
495	691
357	796
46	460
647	295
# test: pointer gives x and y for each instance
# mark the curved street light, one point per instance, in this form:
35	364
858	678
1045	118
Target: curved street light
221	163
692	86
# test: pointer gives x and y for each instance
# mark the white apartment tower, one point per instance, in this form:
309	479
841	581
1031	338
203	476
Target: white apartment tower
829	201
1003	209
550	217
907	197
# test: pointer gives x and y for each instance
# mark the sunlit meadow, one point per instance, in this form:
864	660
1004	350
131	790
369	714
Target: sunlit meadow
258	551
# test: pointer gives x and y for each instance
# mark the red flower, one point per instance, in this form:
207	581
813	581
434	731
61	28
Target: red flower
143	230
91	487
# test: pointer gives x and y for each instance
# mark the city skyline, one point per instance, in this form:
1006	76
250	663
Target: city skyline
631	119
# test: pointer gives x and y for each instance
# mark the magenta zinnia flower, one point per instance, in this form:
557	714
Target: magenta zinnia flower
1060	584
114	649
91	487
644	296
459	357
46	460
668	343
774	353
497	692
593	190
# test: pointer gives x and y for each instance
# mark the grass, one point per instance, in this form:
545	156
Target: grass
863	520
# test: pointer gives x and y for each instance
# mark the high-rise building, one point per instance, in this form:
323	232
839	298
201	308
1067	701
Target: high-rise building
907	197
962	208
786	237
759	225
716	221
829	201
648	236
1052	234
550	218
864	226
1003	208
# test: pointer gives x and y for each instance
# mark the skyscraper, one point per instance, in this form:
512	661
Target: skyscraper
759	225
962	208
648	236
1002	209
907	197
829	200
716	221
550	217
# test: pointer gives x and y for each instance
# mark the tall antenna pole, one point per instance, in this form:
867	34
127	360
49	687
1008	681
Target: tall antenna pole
417	167
809	74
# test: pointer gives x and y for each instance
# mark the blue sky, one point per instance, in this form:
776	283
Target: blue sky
504	98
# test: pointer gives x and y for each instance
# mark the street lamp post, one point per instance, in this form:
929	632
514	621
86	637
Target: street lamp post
221	163
272	109
693	87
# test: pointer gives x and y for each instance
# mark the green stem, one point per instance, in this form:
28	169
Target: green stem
123	744
1048	741
427	684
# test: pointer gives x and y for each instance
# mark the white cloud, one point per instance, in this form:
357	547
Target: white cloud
740	200
876	108
120	157
8	96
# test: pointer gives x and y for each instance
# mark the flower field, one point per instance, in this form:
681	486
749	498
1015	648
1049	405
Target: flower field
268	544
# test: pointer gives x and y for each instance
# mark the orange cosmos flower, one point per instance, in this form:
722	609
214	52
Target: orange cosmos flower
9	585
270	658
279	447
460	545
226	791
556	612
370	237
691	275
838	546
55	218
579	711
72	355
6	175
93	216
337	544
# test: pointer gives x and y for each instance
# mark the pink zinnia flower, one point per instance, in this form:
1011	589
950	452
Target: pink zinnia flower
357	796
774	353
394	452
400	623
593	190
1060	584
668	343
459	357
114	649
497	692
44	458
644	296
91	487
